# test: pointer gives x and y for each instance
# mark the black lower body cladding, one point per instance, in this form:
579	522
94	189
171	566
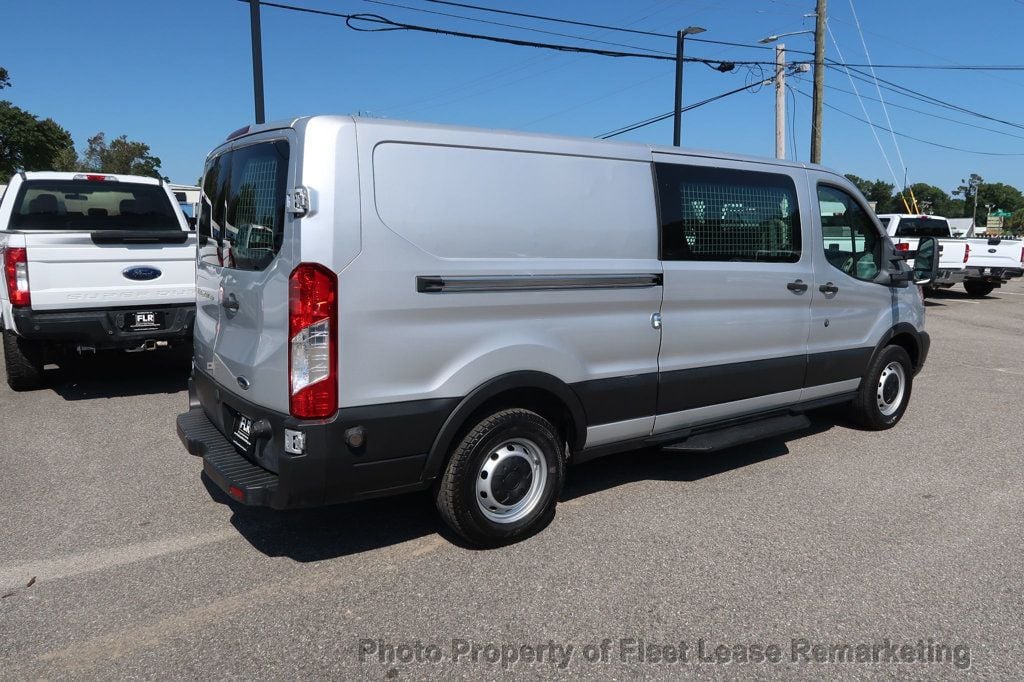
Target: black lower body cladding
105	328
397	438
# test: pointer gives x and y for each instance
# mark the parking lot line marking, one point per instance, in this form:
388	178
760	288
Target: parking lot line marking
16	575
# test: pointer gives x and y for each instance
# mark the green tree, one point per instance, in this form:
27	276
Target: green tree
877	191
968	191
998	195
120	155
1015	223
27	143
934	200
5	78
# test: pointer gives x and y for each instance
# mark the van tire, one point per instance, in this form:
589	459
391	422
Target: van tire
23	361
884	392
978	289
526	435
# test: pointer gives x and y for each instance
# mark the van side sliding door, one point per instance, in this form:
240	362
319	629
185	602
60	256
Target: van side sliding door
737	276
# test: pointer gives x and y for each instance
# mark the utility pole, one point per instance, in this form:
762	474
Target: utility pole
819	80
677	119
780	101
257	59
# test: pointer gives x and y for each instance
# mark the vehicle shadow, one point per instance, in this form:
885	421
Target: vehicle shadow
958	294
341	530
120	375
308	535
654	464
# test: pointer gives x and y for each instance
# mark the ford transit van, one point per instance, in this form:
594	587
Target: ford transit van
385	307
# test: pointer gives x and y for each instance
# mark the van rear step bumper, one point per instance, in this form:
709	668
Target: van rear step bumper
743	433
234	474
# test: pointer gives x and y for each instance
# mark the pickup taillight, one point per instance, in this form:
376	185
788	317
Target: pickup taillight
967	252
903	246
313	342
16	276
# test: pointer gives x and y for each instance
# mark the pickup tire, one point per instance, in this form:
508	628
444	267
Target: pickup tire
503	478
884	391
23	361
978	289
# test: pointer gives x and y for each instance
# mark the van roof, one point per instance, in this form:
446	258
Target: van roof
628	149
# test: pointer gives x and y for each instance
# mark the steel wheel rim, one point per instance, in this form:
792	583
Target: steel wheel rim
892	386
511	481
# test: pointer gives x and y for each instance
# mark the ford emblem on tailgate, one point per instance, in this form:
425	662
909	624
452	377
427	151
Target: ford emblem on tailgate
141	273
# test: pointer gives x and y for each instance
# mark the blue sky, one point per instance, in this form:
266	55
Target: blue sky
177	75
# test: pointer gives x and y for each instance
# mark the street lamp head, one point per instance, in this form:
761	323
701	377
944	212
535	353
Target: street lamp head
693	30
768	39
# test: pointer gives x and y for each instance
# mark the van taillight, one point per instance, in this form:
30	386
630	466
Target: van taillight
903	246
313	341
967	252
16	275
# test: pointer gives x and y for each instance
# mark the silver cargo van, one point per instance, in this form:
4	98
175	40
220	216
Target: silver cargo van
385	307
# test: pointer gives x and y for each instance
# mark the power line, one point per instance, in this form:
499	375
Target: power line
662	117
389	25
916	139
874	77
515	26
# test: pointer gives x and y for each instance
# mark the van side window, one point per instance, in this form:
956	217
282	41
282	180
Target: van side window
851	241
212	200
721	214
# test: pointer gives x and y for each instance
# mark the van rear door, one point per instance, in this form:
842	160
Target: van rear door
244	265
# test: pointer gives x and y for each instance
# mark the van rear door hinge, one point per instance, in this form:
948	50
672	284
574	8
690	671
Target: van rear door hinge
298	201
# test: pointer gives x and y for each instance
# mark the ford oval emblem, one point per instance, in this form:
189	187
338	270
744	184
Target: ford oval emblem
141	273
991	250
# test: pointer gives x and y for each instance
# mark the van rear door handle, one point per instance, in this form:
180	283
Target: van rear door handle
230	303
828	289
797	287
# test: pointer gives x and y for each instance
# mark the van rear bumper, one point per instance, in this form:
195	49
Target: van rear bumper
397	439
104	327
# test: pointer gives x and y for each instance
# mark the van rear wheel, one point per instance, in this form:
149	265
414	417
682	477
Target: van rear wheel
503	478
885	390
23	361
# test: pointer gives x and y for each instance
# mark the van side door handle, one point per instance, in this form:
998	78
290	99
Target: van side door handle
230	303
797	287
829	289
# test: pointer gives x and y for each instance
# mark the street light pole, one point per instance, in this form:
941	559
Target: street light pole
257	59
780	101
677	120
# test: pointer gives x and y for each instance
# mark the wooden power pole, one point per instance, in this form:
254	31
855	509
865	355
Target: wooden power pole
819	81
780	101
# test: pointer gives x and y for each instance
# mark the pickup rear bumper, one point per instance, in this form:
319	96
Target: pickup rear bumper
994	275
108	328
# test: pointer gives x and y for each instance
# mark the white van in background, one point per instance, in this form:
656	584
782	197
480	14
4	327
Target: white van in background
386	307
92	261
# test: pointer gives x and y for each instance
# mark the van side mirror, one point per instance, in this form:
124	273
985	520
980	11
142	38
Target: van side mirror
926	261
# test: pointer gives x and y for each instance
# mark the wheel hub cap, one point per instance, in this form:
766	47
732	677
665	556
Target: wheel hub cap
892	383
511	481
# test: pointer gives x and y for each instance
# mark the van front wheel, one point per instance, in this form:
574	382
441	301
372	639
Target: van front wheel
885	390
503	478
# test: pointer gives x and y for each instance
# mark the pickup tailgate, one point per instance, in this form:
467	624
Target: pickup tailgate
78	270
952	252
995	253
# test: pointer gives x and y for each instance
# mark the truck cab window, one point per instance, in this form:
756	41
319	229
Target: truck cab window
851	241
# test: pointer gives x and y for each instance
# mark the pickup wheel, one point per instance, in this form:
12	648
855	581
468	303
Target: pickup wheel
885	390
503	478
978	289
23	361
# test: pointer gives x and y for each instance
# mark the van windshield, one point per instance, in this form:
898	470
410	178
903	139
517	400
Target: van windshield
922	227
92	205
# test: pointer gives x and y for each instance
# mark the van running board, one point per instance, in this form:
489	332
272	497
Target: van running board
738	435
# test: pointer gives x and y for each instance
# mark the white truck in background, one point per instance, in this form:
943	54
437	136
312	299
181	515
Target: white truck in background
906	231
91	262
985	264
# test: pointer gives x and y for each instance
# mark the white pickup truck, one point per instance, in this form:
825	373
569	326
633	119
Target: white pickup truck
91	262
986	263
906	230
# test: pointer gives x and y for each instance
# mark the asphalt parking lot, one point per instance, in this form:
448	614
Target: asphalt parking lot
834	536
